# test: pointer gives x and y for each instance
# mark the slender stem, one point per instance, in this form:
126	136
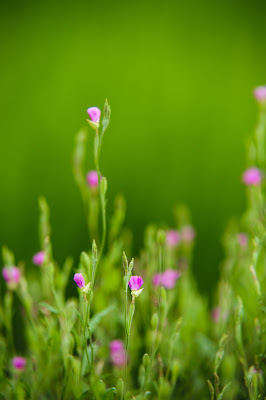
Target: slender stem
153	346
97	150
84	347
126	340
8	320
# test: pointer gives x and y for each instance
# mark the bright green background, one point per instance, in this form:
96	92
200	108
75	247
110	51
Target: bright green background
179	78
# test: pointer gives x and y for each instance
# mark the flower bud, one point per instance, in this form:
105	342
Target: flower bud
80	281
146	360
135	282
154	321
95	115
161	237
19	363
92	179
38	258
252	176
12	276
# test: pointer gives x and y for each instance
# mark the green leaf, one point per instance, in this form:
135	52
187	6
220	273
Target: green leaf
130	317
238	325
223	391
80	317
220	352
49	307
110	394
211	389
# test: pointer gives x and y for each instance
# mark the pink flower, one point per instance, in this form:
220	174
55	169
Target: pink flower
169	278
252	176
172	238
118	354
11	275
260	93
242	239
94	114
92	179
19	363
215	314
38	258
135	282
78	278
188	234
156	279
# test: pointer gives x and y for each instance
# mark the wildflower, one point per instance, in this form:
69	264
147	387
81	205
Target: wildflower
11	275
118	354
156	279
260	93
38	258
135	284
242	239
78	278
167	279
95	115
92	179
80	281
19	363
172	238
188	234
252	176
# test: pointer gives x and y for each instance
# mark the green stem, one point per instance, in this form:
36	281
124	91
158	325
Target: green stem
8	320
84	347
260	138
97	149
154	346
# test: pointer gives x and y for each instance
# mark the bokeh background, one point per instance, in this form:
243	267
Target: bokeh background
179	78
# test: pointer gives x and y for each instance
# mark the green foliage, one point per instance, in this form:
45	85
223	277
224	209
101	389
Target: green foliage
175	346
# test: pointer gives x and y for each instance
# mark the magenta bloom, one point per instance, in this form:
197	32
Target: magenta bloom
260	93
78	278
94	114
92	179
172	238
242	239
38	258
19	363
188	234
135	282
118	354
11	275
252	176
169	278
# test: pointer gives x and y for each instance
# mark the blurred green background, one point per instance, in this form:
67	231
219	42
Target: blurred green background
179	78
